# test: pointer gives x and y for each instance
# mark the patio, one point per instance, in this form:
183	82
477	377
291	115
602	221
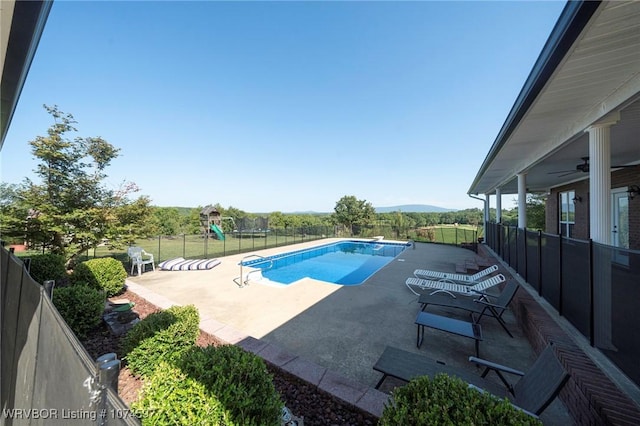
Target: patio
332	335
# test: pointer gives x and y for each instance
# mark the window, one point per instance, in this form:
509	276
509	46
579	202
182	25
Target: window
567	213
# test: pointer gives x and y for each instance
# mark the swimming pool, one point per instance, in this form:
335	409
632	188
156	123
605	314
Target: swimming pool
344	262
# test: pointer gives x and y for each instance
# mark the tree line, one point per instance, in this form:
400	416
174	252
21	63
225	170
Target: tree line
69	210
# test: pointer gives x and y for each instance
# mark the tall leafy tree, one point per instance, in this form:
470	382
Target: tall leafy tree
13	212
277	220
350	212
167	220
536	205
70	210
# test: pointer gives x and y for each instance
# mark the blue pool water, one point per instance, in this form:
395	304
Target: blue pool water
345	262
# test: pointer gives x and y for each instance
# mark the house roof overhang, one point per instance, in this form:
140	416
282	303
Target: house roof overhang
21	26
588	71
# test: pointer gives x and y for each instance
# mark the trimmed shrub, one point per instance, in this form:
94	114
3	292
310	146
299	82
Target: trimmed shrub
239	379
105	273
170	397
48	267
146	328
161	336
449	400
157	322
81	307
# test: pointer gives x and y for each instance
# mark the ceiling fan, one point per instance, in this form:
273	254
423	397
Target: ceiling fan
582	167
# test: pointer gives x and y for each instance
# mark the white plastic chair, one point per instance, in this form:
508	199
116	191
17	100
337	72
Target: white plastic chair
139	258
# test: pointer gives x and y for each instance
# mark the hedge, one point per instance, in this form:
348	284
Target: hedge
161	336
81	307
449	400
105	273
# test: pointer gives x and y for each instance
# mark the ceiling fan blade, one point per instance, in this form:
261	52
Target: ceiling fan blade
561	171
584	168
569	173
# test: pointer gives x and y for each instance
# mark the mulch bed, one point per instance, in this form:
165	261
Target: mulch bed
305	400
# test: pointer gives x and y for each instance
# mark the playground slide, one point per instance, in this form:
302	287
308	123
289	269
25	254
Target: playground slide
218	231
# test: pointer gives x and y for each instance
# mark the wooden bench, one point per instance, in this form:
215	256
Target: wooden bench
405	366
450	325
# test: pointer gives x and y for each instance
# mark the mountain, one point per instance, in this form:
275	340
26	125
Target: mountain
406	208
413	208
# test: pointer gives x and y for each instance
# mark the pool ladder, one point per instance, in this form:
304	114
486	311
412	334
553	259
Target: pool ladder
239	281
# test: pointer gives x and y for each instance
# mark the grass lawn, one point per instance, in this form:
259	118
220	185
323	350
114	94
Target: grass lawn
196	246
449	234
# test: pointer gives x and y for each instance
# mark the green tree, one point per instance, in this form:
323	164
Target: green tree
432	219
132	221
536	204
350	212
236	214
277	220
419	219
509	217
400	223
293	221
13	212
190	224
70	210
167	220
309	220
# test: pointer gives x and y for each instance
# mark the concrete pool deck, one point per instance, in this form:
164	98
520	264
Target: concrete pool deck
332	335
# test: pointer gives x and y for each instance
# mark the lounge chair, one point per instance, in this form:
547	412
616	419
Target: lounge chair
454	288
447	276
533	392
480	306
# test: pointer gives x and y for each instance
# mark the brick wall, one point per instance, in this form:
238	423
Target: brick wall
581	226
590	396
619	179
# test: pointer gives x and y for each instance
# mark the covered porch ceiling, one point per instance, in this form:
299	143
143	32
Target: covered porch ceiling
589	69
21	25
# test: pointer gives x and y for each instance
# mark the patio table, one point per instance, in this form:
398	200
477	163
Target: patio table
450	325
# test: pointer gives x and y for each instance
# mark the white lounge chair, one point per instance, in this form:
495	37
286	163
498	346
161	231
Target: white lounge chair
447	276
454	288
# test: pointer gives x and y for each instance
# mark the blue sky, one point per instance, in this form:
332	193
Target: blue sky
284	106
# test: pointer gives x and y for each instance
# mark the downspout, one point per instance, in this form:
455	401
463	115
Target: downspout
485	201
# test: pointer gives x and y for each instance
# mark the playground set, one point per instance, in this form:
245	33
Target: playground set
211	222
211	225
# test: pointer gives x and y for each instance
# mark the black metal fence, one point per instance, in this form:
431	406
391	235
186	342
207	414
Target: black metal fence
594	286
47	376
165	247
200	246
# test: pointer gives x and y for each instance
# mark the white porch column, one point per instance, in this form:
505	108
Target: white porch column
522	201
600	183
487	207
498	205
600	226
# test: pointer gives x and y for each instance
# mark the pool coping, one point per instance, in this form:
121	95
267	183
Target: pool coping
289	254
